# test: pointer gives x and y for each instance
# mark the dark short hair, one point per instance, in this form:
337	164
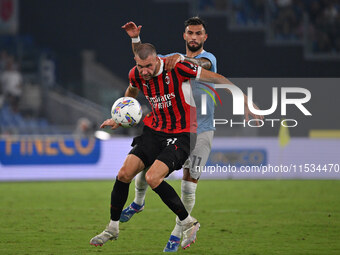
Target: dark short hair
144	50
193	21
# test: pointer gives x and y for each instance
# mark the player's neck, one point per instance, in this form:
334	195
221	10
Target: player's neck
192	54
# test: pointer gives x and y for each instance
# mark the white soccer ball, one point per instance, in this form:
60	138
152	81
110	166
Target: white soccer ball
126	112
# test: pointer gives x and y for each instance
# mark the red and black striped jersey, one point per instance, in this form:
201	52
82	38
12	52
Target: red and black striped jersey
170	97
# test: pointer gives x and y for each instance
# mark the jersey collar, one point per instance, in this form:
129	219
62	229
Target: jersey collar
160	68
199	53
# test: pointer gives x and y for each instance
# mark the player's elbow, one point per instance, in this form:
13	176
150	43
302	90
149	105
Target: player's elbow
131	92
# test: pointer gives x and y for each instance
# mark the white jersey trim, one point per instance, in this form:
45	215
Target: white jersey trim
161	67
187	92
199	70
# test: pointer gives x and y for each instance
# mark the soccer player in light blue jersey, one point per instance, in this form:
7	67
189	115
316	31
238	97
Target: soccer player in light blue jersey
194	35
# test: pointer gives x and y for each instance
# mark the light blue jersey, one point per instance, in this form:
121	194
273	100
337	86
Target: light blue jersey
204	122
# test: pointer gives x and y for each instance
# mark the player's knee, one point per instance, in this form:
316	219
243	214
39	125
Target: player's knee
152	180
124	175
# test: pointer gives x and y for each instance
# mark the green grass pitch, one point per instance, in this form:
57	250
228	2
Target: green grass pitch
237	217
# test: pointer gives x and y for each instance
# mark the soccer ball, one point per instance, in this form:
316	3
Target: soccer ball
126	112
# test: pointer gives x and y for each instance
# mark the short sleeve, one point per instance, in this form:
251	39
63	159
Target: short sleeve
188	70
212	60
134	78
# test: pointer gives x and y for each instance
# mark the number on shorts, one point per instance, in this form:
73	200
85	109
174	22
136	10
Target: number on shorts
171	141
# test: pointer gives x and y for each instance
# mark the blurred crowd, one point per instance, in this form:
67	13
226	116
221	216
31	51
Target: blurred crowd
289	20
249	12
325	19
324	22
11	88
15	118
11	82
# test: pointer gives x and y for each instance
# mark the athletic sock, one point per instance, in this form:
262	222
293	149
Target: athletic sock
188	199
119	196
171	199
186	220
188	194
114	224
140	188
177	231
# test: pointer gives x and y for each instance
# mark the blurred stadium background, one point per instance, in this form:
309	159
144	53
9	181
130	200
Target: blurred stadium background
69	61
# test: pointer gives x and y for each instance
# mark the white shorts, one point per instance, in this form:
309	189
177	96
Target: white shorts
199	156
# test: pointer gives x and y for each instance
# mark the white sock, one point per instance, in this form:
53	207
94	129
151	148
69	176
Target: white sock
177	231
186	220
188	199
114	224
188	195
140	188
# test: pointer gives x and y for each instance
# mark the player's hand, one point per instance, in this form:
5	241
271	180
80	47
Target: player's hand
247	112
109	123
131	29
171	61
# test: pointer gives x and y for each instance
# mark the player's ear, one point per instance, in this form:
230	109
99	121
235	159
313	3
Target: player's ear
184	37
205	37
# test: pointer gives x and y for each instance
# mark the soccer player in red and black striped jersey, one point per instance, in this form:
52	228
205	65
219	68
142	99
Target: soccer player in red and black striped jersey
167	138
165	143
169	94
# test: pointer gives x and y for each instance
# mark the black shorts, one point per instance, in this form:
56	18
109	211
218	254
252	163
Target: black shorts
172	149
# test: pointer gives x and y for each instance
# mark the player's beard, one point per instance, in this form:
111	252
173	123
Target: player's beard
194	48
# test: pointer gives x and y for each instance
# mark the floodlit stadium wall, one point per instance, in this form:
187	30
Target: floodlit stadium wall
27	158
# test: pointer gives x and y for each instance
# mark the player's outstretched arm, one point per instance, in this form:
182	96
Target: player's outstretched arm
203	62
133	31
109	123
212	77
172	60
131	92
216	78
